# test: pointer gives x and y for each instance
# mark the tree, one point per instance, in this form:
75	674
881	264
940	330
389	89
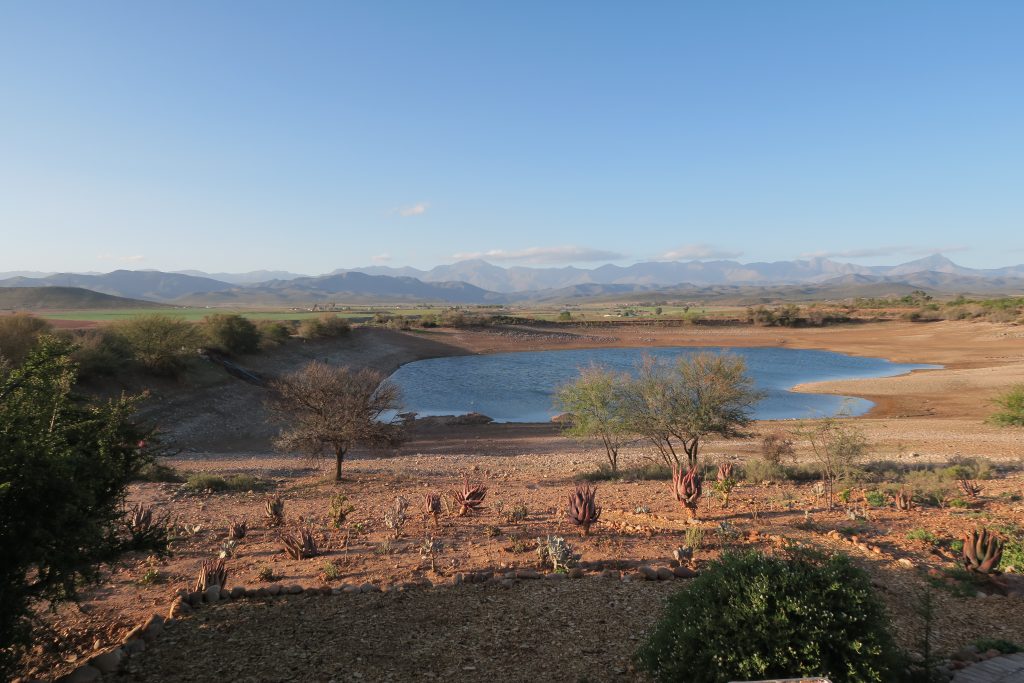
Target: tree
162	344
65	464
595	404
334	408
836	446
231	333
677	406
18	334
1011	404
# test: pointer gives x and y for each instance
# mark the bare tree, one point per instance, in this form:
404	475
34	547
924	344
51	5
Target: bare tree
332	408
677	406
595	406
836	446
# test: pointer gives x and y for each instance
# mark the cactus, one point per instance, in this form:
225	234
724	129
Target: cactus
396	517
212	573
556	552
340	510
470	498
274	511
300	543
582	510
432	506
982	551
904	499
687	487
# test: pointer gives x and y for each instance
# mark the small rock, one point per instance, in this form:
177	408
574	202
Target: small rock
576	573
178	608
83	674
153	627
611	574
274	589
351	588
369	588
989	654
904	562
211	594
237	592
262	593
648	573
527	574
460	578
134	646
664	574
507	583
555	576
684	572
294	590
108	662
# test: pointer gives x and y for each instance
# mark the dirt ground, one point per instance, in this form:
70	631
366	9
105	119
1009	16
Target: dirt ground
575	630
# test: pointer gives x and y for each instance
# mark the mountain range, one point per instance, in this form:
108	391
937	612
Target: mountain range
480	282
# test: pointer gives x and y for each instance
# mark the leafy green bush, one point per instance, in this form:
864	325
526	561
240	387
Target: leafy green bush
161	344
18	334
648	472
238	483
155	472
231	333
99	352
876	499
1003	646
273	332
1011	407
922	535
64	468
930	487
325	327
761	469
749	616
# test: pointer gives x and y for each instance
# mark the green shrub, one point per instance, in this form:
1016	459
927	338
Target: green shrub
238	483
1011	407
273	332
231	333
749	616
1013	553
647	472
922	535
155	472
161	344
930	487
326	326
1003	646
99	353
761	469
65	464
18	334
877	499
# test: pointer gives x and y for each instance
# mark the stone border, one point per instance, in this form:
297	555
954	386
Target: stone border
111	660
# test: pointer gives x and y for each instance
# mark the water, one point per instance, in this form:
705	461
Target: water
519	387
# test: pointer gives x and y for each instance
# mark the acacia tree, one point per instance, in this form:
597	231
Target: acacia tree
676	406
595	403
333	408
65	464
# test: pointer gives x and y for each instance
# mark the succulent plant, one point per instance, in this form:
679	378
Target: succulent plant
227	549
470	498
970	488
147	533
726	482
686	485
274	511
904	499
340	510
432	506
430	549
982	551
582	510
396	517
237	528
300	543
212	573
725	471
139	518
556	552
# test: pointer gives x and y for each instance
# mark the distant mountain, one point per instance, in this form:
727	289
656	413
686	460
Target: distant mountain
24	273
250	278
64	299
150	285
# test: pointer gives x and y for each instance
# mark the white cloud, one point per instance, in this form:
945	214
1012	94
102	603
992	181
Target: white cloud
381	258
135	258
885	251
695	252
417	209
563	254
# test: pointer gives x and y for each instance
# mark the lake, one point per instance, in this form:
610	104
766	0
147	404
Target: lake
519	387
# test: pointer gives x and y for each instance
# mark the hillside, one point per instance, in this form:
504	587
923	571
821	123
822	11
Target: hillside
64	299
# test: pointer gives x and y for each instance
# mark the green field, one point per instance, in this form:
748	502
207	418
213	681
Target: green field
197	314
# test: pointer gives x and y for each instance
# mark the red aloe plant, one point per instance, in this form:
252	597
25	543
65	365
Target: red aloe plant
470	498
582	510
982	551
687	487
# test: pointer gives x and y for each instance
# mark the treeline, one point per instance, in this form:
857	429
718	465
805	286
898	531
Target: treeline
158	344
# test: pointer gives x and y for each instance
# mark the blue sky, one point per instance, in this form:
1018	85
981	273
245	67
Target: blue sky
312	136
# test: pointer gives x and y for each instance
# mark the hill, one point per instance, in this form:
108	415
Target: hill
150	285
64	299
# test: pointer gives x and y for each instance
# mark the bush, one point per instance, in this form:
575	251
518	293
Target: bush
99	353
930	487
761	470
65	465
162	345
238	483
18	334
155	472
324	327
749	616
776	446
231	333
273	333
1011	408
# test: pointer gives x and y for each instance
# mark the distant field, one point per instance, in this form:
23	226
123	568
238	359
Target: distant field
197	314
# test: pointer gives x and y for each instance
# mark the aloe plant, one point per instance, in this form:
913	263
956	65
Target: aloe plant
432	506
982	551
300	543
687	487
582	510
274	511
470	498
212	573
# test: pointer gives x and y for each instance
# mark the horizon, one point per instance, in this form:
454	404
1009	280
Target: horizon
201	137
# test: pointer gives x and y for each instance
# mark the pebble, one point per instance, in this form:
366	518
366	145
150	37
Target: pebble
108	662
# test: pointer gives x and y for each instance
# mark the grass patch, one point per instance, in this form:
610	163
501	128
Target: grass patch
156	473
648	472
1003	646
216	483
922	535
